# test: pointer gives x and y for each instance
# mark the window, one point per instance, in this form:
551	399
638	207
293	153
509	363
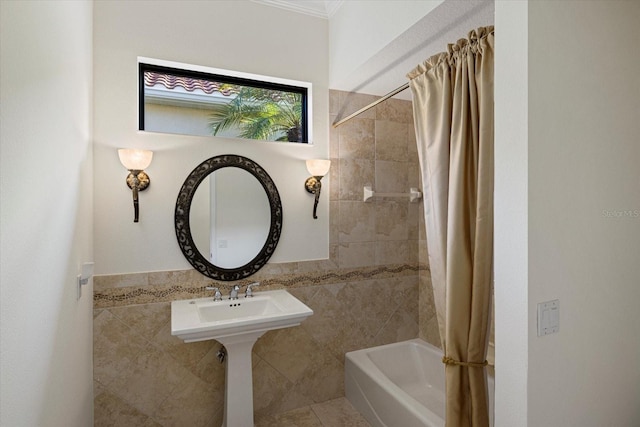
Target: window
222	103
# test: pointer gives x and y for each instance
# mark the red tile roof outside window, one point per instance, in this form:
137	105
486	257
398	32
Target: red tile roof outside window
189	84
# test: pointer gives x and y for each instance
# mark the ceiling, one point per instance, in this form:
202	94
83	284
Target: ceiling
319	8
444	25
386	70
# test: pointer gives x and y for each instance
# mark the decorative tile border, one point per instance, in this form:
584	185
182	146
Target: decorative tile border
184	284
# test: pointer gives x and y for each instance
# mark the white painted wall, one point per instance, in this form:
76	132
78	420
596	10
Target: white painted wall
240	36
511	214
579	229
584	161
46	217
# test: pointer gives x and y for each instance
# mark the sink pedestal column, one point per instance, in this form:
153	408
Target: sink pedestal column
238	399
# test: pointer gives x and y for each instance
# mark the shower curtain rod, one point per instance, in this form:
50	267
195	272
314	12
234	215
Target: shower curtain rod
373	104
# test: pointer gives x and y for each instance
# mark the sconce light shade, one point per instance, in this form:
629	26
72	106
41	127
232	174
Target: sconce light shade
133	159
137	180
317	168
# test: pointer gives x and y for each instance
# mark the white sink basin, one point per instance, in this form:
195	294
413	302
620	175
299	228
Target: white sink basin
242	308
205	319
237	324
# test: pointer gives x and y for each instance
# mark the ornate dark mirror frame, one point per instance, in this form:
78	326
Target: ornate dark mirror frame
183	208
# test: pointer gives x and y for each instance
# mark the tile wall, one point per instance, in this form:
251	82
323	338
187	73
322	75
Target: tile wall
374	289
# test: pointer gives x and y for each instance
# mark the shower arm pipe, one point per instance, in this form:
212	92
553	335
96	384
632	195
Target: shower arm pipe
373	104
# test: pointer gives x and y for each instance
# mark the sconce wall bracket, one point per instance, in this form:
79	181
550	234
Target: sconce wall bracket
317	168
143	180
311	184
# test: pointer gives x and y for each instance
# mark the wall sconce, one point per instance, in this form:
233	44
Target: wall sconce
137	180
317	168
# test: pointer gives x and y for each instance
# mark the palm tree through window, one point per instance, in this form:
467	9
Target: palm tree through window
184	101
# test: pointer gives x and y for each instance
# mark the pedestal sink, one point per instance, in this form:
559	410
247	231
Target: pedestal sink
237	324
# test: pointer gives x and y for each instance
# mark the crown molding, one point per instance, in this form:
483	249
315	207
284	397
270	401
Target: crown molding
318	8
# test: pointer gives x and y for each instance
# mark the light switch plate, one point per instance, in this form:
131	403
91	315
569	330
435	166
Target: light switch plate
84	277
548	317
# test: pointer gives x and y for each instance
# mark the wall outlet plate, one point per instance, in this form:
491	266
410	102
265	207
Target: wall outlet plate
548	317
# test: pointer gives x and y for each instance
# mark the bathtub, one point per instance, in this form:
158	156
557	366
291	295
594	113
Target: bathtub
399	384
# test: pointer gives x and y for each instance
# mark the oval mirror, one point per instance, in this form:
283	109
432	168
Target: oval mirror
228	217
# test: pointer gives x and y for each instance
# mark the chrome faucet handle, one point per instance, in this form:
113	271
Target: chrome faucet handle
234	292
217	296
249	292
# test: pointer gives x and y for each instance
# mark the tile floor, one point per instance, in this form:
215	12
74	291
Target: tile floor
333	413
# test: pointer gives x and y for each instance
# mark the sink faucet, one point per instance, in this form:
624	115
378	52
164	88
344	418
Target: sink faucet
217	296
234	292
249	292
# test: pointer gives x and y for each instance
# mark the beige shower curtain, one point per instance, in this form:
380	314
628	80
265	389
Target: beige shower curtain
453	113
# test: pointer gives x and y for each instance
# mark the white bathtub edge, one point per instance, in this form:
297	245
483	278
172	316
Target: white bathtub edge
393	404
361	372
